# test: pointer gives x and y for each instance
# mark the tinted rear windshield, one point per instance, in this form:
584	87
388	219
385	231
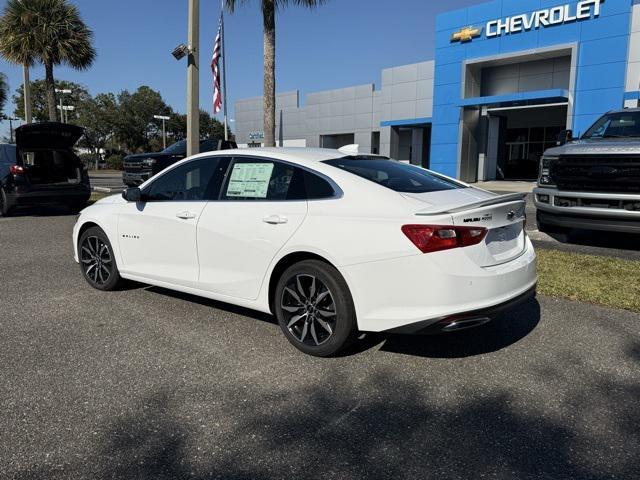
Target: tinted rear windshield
395	175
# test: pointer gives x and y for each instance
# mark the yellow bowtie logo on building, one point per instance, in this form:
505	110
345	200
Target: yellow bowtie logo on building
466	34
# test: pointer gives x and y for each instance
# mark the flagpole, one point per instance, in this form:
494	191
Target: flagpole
224	75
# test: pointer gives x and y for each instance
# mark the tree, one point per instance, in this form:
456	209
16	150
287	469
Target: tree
50	32
98	117
4	88
269	8
135	126
209	126
78	96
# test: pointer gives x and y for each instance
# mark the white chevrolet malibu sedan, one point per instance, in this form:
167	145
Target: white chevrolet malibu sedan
332	243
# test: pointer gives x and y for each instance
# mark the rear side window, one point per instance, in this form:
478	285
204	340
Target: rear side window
398	176
270	180
316	187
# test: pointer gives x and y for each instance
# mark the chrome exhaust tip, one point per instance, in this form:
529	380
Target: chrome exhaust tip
463	324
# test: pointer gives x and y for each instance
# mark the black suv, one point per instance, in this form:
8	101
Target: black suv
42	169
139	168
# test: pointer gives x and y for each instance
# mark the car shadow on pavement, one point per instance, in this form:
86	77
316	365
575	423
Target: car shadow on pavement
227	307
500	333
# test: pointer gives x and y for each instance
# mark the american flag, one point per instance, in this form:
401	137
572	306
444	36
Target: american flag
217	47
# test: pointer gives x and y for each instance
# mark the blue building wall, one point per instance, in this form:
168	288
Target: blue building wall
602	45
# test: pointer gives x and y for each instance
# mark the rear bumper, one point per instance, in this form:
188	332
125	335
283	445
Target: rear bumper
589	218
33	197
471	318
415	292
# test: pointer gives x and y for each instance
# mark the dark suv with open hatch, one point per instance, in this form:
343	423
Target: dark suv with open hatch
42	169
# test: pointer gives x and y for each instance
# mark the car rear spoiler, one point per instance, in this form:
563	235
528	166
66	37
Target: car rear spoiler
509	197
227	145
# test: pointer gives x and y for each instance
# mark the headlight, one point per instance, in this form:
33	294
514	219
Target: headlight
545	170
149	162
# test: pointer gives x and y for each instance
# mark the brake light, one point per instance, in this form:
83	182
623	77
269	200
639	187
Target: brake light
433	238
17	170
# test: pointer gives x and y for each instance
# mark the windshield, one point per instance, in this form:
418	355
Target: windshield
398	176
616	125
177	148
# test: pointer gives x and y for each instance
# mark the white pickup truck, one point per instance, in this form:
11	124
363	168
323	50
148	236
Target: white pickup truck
593	182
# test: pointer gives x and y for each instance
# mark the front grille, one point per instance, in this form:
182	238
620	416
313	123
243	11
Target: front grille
131	166
597	173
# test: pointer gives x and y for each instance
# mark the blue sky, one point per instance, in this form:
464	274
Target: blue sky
343	43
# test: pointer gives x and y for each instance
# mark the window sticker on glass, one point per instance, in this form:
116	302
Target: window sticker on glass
250	180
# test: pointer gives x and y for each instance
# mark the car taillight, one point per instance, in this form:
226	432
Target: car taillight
17	170
433	238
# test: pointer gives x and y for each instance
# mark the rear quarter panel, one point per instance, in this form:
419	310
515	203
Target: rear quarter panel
363	225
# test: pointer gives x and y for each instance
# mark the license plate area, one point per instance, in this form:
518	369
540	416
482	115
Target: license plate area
505	242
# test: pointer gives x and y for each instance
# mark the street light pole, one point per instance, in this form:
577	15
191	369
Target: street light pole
164	131
193	77
11	120
62	91
26	91
66	109
224	78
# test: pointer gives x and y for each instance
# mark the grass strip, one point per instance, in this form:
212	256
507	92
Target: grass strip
612	282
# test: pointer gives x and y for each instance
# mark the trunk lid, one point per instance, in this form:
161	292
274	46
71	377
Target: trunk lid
48	135
45	150
502	215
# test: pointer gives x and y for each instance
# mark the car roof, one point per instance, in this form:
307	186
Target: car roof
624	110
299	155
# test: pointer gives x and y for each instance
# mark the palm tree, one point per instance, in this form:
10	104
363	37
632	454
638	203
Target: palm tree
50	32
4	88
269	9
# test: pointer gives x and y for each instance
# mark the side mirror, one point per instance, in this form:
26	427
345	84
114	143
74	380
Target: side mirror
133	194
565	136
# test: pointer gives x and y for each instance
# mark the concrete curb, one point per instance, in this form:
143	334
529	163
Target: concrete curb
103	189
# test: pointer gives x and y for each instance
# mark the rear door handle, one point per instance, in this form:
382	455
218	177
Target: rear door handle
275	219
186	215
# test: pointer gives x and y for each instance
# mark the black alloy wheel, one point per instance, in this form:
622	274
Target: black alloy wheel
309	309
97	262
315	309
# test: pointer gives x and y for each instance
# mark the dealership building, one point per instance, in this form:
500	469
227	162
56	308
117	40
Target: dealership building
507	77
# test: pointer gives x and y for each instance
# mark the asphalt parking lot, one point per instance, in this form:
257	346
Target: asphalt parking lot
145	383
106	181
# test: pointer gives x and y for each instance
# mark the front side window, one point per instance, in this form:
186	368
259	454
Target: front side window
195	180
616	125
398	176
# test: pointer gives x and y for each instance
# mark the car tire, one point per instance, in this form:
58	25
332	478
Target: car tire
97	261
315	309
5	210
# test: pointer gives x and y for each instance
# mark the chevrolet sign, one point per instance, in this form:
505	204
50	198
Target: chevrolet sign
466	34
548	17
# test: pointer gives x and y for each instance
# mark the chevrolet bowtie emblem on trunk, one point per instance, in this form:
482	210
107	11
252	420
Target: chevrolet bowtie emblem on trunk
466	34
